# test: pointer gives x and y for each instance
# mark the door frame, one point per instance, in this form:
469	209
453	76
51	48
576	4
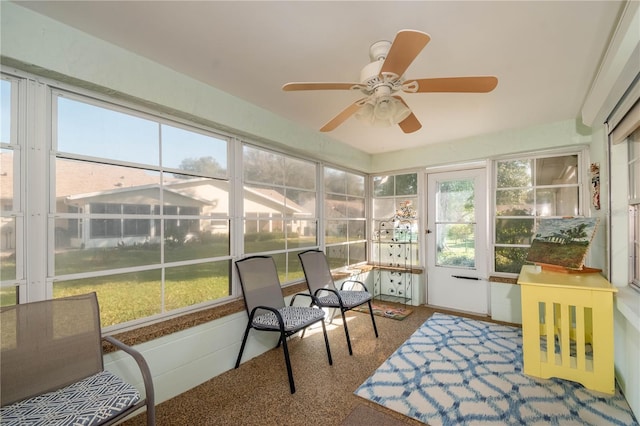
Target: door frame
428	261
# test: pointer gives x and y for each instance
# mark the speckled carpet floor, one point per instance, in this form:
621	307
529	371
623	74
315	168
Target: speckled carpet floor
257	393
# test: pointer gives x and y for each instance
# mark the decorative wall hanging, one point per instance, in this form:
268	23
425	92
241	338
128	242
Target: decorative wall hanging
595	185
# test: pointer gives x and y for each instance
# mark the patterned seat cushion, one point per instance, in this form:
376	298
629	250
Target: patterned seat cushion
350	299
87	402
294	317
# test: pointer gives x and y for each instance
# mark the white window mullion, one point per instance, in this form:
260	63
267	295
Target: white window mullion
36	191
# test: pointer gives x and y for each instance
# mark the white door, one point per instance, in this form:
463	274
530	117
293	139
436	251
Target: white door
457	241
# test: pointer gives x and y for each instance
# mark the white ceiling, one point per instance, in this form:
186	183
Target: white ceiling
544	53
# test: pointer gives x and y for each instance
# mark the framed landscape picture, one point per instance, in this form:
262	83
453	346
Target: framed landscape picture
563	242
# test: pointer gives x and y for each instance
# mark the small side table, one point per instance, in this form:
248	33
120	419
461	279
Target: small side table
567	327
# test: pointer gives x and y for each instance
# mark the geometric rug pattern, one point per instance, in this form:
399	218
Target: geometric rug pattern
459	371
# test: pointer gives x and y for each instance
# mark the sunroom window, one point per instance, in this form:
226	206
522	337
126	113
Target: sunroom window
527	189
140	209
280	218
344	217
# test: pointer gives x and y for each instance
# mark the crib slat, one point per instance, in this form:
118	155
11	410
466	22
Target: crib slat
565	334
549	319
580	339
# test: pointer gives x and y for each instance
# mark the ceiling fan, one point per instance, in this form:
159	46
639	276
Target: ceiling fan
384	76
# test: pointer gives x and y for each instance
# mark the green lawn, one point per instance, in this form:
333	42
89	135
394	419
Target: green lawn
134	295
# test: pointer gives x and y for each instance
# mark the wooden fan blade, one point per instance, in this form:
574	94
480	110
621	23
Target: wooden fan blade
411	123
289	87
340	118
453	84
404	49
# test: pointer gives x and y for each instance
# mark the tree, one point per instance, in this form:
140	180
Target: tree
208	166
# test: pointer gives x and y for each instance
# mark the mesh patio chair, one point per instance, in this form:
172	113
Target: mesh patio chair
267	309
321	285
52	367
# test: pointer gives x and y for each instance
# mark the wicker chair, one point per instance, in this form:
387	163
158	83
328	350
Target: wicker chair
267	309
52	367
321	285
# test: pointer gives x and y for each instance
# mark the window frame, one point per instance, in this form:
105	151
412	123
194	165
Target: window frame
289	268
581	153
348	244
37	96
633	157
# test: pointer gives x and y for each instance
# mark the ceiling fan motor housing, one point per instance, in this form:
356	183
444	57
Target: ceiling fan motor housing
370	76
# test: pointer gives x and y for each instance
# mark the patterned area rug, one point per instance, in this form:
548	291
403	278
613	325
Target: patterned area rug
388	311
458	371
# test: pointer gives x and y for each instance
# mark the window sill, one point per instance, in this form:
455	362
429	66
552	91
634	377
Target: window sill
183	322
628	304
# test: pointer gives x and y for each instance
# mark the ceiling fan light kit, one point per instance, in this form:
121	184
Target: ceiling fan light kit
384	76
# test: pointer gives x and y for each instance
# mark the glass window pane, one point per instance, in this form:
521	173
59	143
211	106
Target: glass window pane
357	253
269	235
407	184
123	297
514	174
514	231
300	174
90	130
192	284
75	254
8	248
334	180
557	201
193	152
7	183
8	296
383	186
263	166
196	239
456	245
383	208
280	260
335	206
355	207
355	185
336	231
455	201
301	233
300	203
510	259
356	230
557	170
263	201
337	256
80	183
5	111
294	267
514	202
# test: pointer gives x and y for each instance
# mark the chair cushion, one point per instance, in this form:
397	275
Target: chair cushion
294	317
350	299
87	402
